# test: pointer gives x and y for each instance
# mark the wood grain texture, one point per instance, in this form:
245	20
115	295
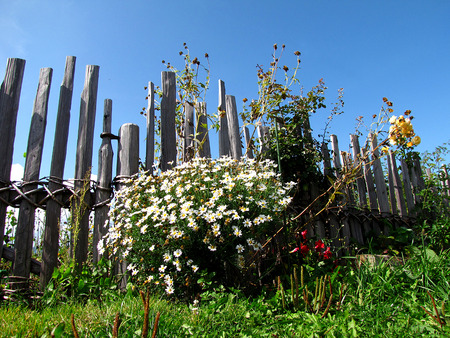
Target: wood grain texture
53	210
23	244
9	106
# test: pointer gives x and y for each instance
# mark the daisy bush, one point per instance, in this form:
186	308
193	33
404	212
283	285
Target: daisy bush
203	215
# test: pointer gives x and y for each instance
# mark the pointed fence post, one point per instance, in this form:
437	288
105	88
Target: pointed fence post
53	211
202	130
327	170
23	244
150	144
410	203
248	143
168	158
189	132
357	162
233	127
397	186
263	137
104	188
9	106
335	155
224	138
80	214
381	190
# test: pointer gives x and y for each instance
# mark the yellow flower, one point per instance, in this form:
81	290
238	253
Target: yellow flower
393	140
385	149
416	140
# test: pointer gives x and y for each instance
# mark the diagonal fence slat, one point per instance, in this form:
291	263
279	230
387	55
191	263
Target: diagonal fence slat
9	106
25	228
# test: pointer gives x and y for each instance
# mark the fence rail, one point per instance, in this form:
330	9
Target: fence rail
369	200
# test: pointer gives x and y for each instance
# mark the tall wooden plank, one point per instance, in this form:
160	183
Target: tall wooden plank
263	137
150	144
189	132
53	211
233	127
398	189
391	189
360	183
224	138
335	154
83	163
128	153
349	186
370	184
419	174
104	179
446	180
202	135
408	188
380	184
9	106
168	158
327	170
127	166
248	143
23	244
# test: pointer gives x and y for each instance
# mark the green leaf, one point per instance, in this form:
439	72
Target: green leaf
58	330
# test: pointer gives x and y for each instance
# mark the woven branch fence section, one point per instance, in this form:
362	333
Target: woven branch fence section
356	216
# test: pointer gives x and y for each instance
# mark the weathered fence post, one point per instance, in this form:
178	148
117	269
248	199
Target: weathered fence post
335	155
9	106
127	166
263	137
327	170
23	244
381	190
408	189
189	132
104	189
233	127
150	144
202	134
248	143
81	211
370	185
168	158
54	204
357	162
224	138
397	186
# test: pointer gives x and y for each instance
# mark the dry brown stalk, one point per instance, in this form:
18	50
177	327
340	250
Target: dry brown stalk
155	326
145	300
74	329
117	321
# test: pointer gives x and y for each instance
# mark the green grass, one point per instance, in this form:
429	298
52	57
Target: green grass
381	300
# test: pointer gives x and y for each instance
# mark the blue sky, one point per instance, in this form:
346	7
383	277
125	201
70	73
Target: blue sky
372	49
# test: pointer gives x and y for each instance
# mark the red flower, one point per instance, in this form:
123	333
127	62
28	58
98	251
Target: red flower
304	249
319	245
304	234
327	254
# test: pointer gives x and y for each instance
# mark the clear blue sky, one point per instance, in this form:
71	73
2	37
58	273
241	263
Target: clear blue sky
372	49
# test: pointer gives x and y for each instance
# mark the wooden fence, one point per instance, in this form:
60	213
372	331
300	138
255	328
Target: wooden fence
368	200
